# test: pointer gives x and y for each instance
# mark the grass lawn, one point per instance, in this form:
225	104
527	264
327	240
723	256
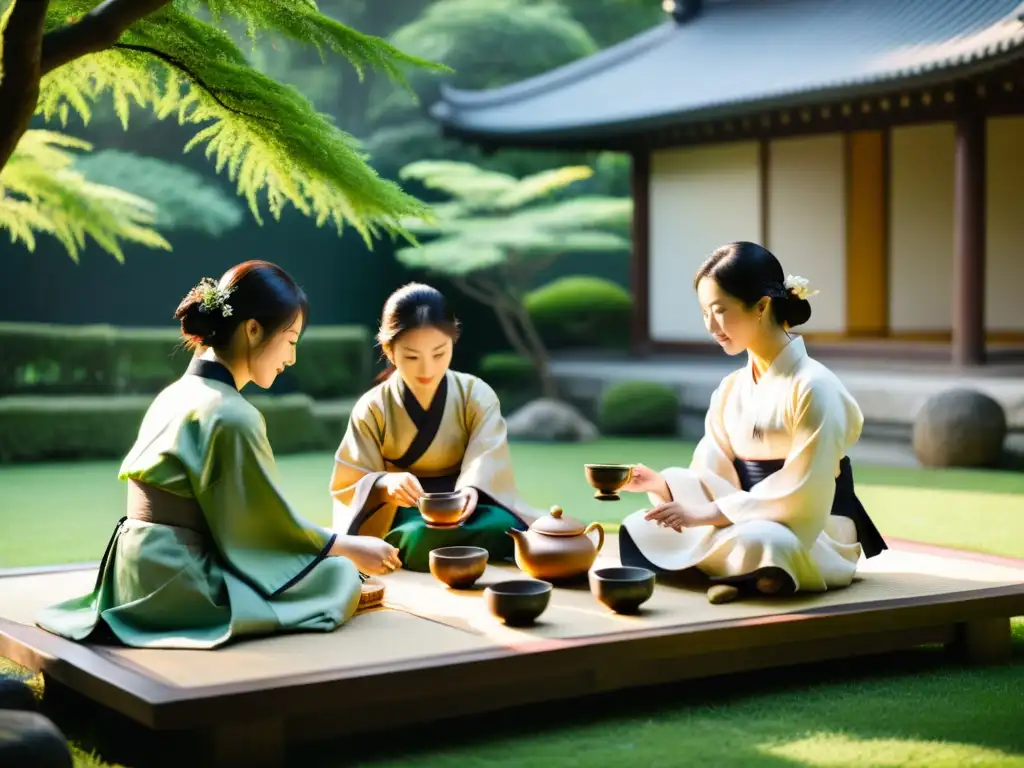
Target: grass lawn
914	709
63	513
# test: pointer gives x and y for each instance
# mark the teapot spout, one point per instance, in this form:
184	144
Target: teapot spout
516	534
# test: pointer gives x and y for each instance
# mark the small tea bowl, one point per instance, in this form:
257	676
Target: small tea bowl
458	567
622	588
608	479
443	509
518	602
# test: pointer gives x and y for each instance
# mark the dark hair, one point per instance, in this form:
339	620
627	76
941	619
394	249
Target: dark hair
257	290
412	306
749	272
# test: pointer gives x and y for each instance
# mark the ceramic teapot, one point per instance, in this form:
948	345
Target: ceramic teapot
556	547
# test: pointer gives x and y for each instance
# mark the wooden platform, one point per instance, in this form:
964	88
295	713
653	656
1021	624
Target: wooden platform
431	653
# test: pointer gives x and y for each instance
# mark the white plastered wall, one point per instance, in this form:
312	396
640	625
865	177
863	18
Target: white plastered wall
700	198
807	221
921	228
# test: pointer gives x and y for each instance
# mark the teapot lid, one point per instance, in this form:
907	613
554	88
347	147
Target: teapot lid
555	525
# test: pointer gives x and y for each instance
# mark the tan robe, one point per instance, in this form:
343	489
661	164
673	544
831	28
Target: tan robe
471	446
798	410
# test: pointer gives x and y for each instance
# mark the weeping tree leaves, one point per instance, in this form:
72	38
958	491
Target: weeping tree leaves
267	136
496	232
40	191
488	43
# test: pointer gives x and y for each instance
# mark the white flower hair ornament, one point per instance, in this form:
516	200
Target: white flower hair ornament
800	287
211	296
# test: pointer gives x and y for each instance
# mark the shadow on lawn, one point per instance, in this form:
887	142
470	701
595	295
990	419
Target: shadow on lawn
916	696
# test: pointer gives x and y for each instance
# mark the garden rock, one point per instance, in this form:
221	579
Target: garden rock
14	694
29	740
550	421
960	428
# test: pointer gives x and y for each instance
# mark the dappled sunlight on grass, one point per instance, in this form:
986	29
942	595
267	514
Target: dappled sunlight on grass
837	750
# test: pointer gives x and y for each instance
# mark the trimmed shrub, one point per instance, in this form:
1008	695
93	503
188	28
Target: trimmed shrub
333	416
507	371
103	427
641	408
581	311
42	359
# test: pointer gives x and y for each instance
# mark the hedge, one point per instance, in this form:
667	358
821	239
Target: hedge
508	370
581	311
34	428
639	408
42	359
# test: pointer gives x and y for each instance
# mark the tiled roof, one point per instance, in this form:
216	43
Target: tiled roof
737	55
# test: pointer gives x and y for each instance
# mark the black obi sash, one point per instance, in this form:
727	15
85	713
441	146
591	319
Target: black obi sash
844	503
427	422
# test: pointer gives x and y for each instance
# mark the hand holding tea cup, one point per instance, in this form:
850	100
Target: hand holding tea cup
402	488
472	499
643	480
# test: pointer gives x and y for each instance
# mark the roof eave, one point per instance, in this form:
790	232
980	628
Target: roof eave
621	134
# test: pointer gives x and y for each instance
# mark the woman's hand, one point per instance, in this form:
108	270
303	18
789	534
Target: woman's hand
402	488
677	516
369	554
473	498
646	480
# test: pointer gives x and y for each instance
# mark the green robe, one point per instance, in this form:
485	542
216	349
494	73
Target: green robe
259	569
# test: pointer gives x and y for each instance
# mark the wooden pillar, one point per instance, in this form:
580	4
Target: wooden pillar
640	258
969	241
867	234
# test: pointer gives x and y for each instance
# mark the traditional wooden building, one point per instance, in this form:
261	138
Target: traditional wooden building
876	146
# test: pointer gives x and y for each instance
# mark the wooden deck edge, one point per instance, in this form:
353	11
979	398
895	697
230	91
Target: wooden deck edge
626	657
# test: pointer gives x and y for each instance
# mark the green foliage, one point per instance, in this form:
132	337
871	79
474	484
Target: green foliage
490	222
612	21
183	198
508	370
333	361
5	7
99	427
581	311
639	408
42	359
41	191
268	137
488	43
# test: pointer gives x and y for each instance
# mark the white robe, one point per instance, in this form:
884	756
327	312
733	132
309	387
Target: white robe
803	414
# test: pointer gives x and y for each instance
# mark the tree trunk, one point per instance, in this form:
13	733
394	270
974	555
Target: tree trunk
22	68
511	313
539	355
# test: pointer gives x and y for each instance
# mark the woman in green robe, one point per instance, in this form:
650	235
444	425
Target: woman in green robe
426	429
209	550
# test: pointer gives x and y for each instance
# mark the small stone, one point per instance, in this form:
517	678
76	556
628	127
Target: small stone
14	694
722	593
29	740
550	421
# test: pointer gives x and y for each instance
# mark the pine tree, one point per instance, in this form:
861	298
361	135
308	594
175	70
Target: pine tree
496	232
59	56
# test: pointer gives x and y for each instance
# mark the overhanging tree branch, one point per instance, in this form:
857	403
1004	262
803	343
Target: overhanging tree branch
182	67
19	89
98	30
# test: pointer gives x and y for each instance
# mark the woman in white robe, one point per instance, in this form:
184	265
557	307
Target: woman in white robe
768	500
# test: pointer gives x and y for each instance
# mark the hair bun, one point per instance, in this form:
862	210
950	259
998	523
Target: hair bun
196	325
796	311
